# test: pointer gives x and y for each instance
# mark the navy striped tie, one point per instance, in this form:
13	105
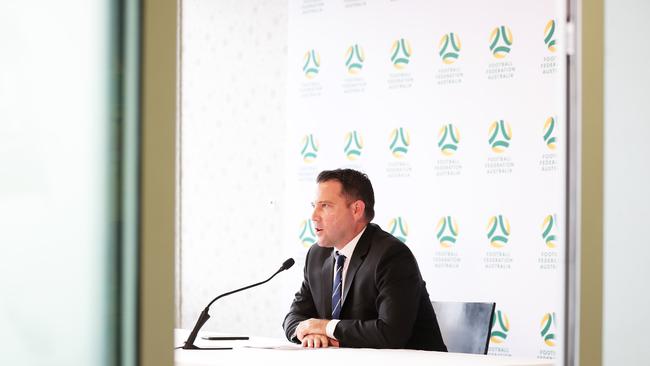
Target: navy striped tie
337	285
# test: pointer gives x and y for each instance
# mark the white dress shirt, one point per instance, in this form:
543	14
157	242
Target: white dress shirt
347	251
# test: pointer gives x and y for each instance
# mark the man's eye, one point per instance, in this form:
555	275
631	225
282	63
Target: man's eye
324	205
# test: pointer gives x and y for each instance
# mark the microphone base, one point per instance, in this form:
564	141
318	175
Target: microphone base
196	348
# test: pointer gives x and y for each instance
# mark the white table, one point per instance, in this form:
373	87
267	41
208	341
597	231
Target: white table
270	352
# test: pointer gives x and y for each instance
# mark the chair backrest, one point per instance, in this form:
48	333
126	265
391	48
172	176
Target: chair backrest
465	326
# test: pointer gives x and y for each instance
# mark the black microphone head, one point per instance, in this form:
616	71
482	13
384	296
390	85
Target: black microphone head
287	264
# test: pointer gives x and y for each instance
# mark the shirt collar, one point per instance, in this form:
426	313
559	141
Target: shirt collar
348	249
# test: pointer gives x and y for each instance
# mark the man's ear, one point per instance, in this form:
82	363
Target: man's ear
359	209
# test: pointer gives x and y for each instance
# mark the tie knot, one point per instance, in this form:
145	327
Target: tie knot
340	258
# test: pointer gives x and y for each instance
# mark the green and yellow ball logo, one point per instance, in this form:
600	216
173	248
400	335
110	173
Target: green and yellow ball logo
500	328
498	231
354	58
549	133
449	48
311	64
549	227
399	228
399	142
548	329
549	35
307	235
448	139
447	231
501	41
353	145
309	150
500	134
401	53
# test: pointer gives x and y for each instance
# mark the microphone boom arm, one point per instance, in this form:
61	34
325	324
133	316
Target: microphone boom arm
204	316
242	289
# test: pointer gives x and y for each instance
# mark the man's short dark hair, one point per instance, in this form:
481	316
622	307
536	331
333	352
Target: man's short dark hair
354	186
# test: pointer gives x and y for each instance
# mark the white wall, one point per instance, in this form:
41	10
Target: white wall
233	80
627	178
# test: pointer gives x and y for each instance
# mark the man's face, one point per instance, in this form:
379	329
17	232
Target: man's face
333	217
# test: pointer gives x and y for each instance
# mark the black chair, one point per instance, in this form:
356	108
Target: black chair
465	326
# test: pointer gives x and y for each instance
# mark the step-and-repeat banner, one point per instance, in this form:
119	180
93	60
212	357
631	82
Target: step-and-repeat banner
456	111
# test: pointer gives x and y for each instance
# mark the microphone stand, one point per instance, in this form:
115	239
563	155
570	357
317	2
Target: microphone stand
204	316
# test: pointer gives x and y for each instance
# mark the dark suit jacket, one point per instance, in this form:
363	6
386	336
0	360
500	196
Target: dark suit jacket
385	300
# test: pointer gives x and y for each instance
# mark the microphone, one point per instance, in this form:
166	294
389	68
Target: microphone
189	343
287	264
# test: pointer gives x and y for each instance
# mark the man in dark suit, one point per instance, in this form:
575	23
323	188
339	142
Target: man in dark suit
362	286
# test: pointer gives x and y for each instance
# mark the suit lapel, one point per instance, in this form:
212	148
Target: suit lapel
358	256
328	275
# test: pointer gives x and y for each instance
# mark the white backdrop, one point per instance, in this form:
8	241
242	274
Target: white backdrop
464	141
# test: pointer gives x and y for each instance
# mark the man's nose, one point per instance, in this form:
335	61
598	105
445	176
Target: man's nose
314	214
